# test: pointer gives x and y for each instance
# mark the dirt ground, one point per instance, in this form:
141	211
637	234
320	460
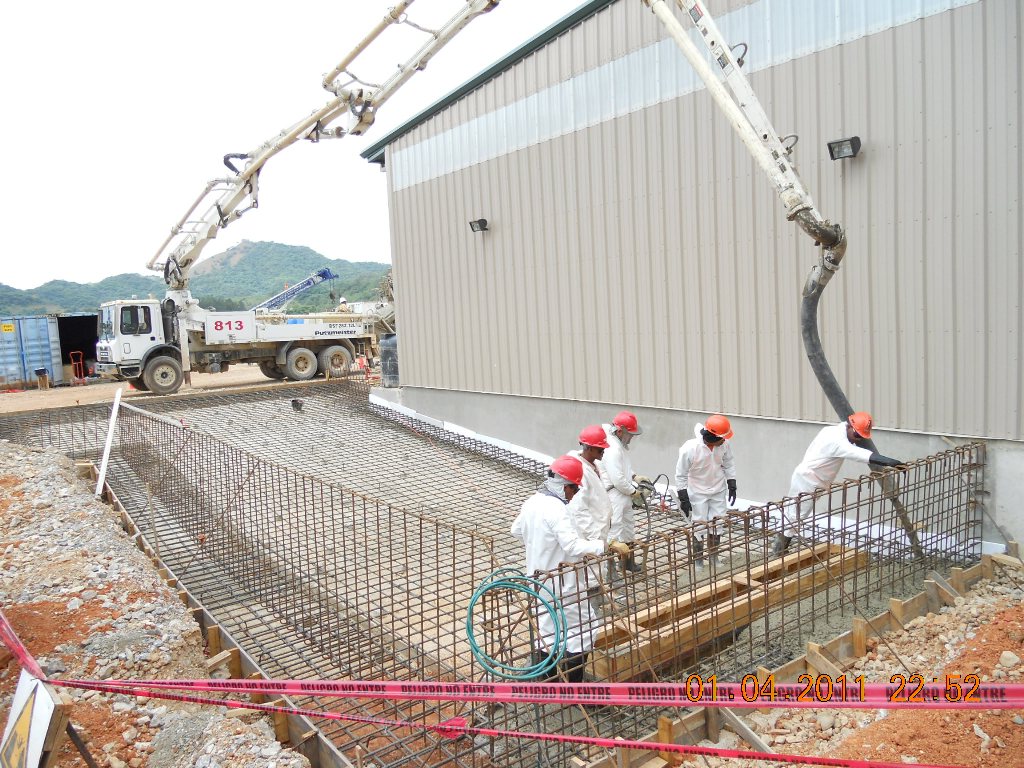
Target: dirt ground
12	401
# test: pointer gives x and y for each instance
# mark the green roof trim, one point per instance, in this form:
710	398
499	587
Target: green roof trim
375	153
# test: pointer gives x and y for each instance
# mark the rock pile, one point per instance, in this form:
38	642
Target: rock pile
89	604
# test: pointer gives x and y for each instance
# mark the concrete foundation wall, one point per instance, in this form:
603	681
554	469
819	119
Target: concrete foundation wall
766	450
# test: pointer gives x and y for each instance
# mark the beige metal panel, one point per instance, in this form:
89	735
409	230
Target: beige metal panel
967	315
1004	289
654	240
938	162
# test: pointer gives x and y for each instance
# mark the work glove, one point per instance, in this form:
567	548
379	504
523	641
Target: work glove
885	461
620	548
732	491
642	480
684	502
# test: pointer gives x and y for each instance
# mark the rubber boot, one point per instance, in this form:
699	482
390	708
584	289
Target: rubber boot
780	544
715	549
631	565
596	596
698	551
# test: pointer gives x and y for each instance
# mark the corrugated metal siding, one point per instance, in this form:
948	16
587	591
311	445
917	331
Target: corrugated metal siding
645	260
28	343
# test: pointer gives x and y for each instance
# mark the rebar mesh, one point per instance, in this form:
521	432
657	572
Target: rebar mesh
333	541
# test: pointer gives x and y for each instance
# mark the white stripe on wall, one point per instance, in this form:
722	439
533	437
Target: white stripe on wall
776	31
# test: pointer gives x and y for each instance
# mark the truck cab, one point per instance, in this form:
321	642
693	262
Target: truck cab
131	332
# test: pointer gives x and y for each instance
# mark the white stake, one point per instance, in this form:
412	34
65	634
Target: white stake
110	440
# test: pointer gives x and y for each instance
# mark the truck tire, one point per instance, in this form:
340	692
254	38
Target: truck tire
335	362
270	370
300	365
163	375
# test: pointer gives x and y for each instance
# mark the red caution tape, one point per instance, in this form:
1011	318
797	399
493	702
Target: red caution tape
456	727
14	644
640	694
816	692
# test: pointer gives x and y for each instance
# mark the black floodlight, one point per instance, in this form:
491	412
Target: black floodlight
844	148
478	225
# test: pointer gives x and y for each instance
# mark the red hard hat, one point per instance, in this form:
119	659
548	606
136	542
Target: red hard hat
627	421
718	426
861	423
568	467
594	436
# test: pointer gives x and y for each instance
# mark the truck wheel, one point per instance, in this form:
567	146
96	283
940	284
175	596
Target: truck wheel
163	375
139	384
270	370
301	364
335	362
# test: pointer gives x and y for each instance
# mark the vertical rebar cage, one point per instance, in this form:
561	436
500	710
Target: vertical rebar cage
333	541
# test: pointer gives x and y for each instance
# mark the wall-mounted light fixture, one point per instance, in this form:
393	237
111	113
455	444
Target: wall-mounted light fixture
478	225
843	148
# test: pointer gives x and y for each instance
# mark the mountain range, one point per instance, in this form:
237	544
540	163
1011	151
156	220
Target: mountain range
238	278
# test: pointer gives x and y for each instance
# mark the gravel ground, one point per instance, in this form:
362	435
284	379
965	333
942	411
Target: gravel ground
88	603
982	634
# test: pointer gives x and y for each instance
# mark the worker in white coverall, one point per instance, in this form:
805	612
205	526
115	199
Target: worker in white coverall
622	484
591	509
819	468
706	481
551	540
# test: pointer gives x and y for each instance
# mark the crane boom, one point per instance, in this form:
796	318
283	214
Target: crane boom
280	301
224	200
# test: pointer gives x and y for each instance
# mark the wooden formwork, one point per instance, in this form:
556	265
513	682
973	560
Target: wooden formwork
833	657
634	646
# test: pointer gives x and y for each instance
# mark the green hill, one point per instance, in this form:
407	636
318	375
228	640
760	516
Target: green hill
238	278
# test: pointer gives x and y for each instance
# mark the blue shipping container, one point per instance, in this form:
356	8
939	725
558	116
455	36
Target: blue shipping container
28	344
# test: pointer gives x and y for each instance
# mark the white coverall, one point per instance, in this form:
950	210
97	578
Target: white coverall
617	476
590	508
819	468
702	470
544	526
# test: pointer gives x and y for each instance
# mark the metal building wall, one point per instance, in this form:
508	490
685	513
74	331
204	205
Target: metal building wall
648	243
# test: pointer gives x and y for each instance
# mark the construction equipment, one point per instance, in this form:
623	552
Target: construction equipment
734	96
227	199
156	344
281	300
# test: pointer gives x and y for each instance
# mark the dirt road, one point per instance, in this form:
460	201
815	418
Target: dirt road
33	399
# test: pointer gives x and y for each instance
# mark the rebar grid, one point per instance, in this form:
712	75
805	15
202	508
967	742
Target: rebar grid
77	432
317	579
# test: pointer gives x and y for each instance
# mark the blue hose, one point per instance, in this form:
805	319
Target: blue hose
546	599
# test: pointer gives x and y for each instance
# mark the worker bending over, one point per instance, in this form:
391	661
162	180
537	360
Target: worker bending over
820	466
706	481
620	481
552	541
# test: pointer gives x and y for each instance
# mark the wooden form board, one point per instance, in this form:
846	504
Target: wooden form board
657	636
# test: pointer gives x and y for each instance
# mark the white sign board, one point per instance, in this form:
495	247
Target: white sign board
36	722
230	327
303	328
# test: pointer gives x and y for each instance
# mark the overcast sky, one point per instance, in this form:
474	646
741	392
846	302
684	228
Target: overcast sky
116	113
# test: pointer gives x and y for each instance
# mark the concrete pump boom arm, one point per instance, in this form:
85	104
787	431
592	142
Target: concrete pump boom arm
222	199
732	93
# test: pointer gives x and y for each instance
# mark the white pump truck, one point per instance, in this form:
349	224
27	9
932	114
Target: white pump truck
158	343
